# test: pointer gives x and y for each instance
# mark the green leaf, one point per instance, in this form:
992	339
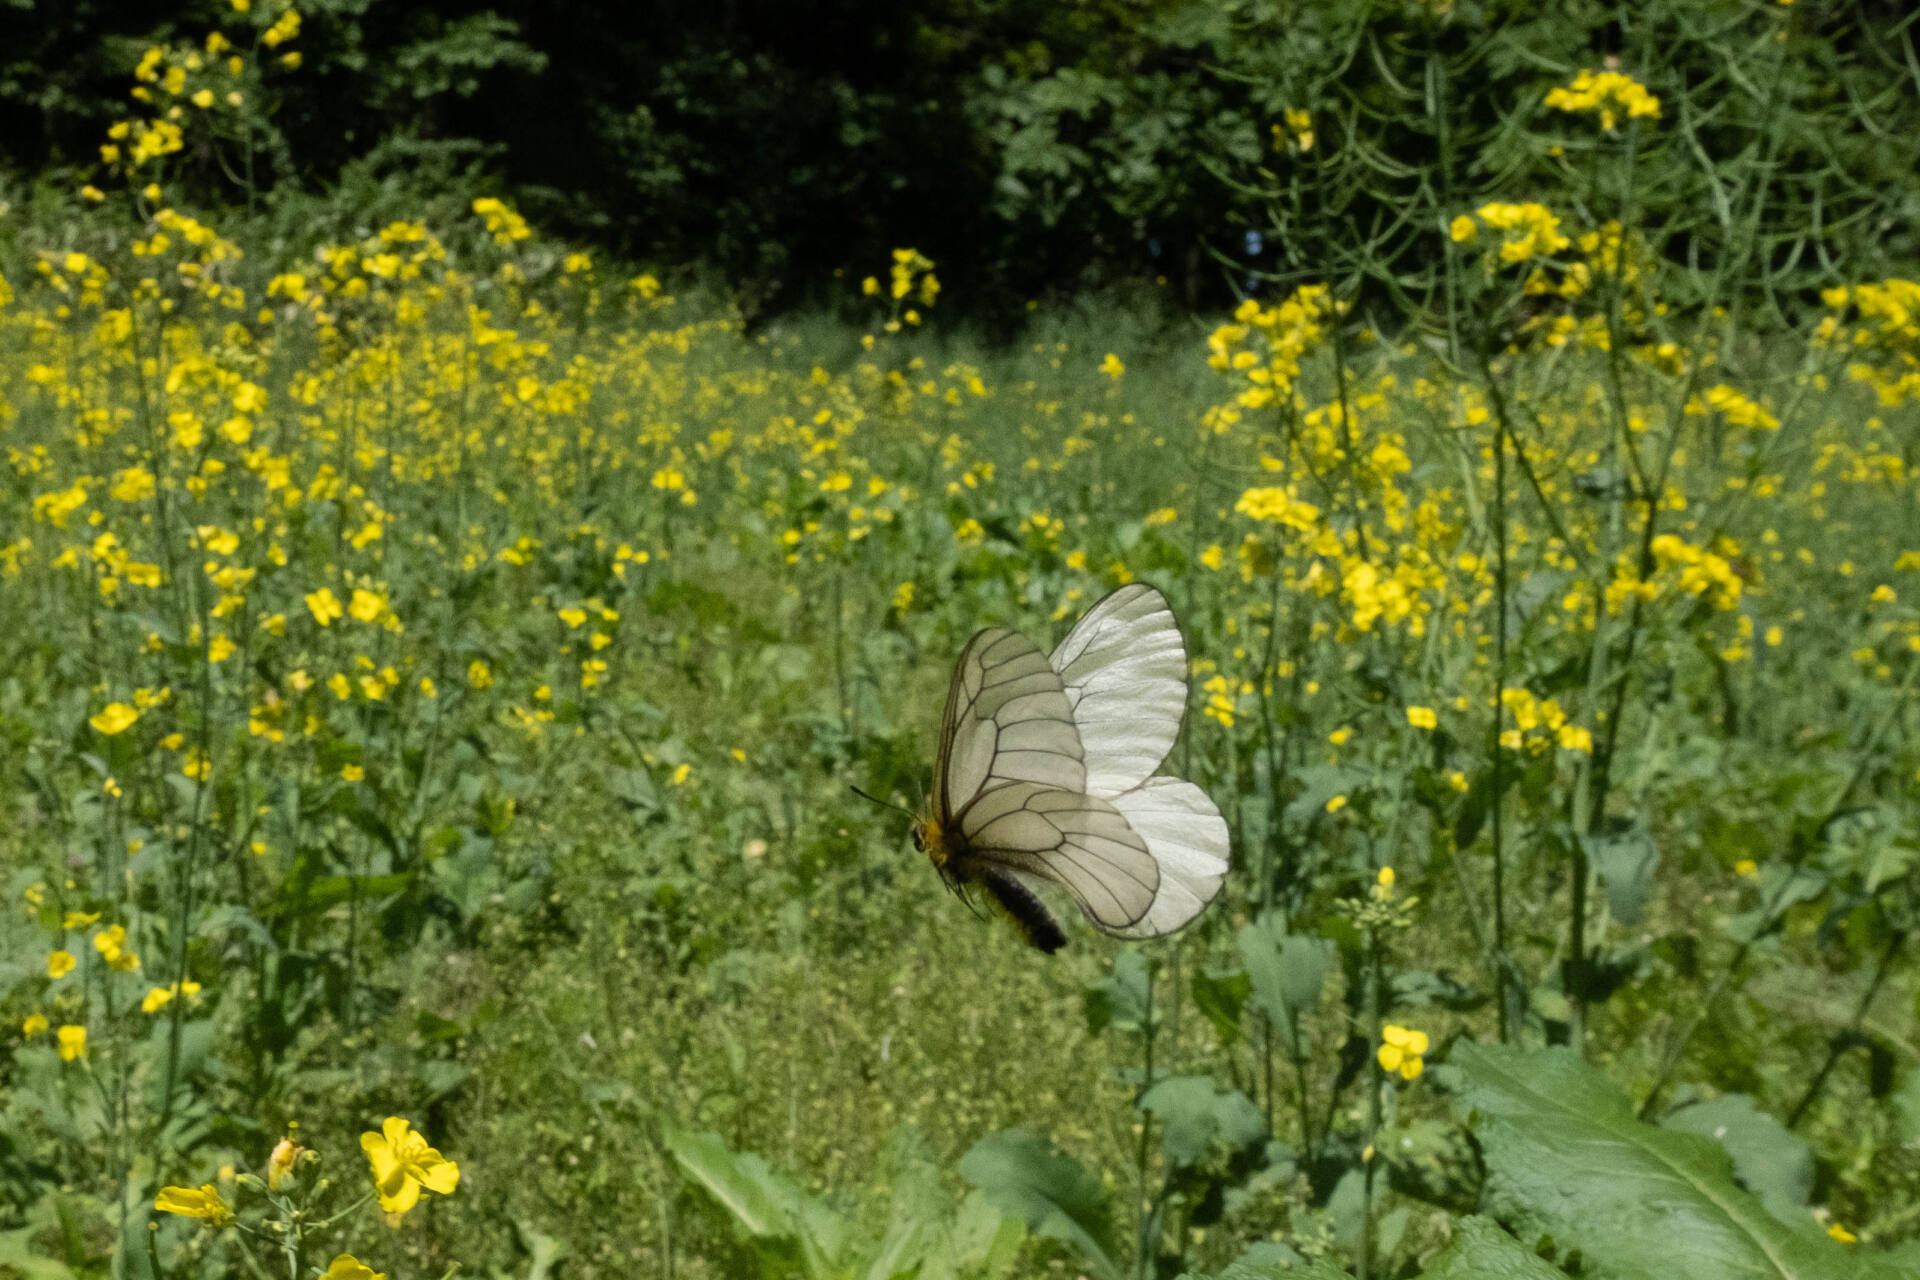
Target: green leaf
18	1258
1482	1251
1287	972
1906	1105
763	1204
1769	1160
1567	1163
1123	998
1025	1176
1270	1260
1220	998
1626	860
982	1242
1321	783
545	1250
1195	1112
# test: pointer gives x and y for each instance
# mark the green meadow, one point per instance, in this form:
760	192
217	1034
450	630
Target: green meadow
437	665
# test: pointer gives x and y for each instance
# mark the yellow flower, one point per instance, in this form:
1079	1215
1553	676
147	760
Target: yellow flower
73	1042
324	606
112	946
402	1163
1747	869
34	1025
1401	1050
348	1267
156	1000
280	1168
60	964
204	1204
1112	367
352	772
479	675
1422	717
1841	1234
366	606
1336	804
115	717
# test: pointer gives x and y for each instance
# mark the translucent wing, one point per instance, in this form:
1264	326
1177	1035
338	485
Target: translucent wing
1079	842
1187	838
1124	668
1007	720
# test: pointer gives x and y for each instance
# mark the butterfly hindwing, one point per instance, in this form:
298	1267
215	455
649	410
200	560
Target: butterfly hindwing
1188	840
1078	842
1124	669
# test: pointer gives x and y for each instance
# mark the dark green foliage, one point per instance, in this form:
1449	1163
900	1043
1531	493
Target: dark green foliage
1046	146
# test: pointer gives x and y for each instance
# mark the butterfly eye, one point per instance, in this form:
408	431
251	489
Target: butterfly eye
919	841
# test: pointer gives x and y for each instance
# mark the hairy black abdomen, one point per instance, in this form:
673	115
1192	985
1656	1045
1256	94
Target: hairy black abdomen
1028	913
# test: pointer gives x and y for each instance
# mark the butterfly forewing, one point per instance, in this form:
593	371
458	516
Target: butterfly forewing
1079	842
1124	668
1007	721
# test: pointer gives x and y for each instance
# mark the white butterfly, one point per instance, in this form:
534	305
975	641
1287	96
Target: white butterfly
1046	772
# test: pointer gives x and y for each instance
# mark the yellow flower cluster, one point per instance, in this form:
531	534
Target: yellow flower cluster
504	224
1296	131
1733	407
1276	504
1539	723
1699	571
1402	1051
1886	339
1264	346
1608	94
1526	230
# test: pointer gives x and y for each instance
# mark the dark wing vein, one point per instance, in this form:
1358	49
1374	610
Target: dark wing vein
1078	842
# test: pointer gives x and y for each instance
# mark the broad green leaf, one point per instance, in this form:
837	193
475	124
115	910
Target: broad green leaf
545	1250
1270	1260
18	1258
1482	1251
1287	972
1123	998
764	1205
1195	1112
1220	999
1568	1163
981	1242
1026	1176
1626	860
1769	1160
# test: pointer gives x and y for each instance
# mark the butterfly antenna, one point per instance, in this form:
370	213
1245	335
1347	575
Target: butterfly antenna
884	804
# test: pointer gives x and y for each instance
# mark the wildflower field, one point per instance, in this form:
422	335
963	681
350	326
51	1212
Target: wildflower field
435	669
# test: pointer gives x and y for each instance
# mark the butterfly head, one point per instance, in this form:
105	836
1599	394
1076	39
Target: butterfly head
929	839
